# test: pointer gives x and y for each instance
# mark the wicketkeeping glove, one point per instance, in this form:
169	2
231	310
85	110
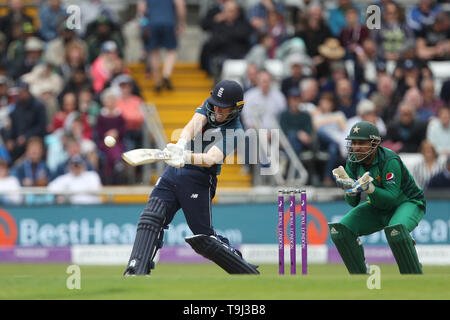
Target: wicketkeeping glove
363	184
343	181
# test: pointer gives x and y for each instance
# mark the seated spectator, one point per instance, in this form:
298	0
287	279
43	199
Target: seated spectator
445	92
28	119
406	133
9	185
296	124
346	99
32	171
260	52
59	49
394	38
258	14
330	51
330	126
74	60
337	16
6	99
16	52
249	80
433	42
15	16
44	73
442	179
354	33
368	66
229	38
438	131
385	97
296	74
263	104
422	15
102	68
277	29
314	31
338	71
309	89
78	80
111	123
408	74
105	31
69	105
430	102
90	10
79	181
72	147
430	165
130	106
33	52
50	15
87	105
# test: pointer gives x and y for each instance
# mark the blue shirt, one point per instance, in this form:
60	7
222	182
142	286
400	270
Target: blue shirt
225	138
161	12
50	22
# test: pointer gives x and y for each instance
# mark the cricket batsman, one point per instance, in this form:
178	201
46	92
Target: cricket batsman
189	183
394	204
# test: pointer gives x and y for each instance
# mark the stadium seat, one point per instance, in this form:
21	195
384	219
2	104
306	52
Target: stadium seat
276	68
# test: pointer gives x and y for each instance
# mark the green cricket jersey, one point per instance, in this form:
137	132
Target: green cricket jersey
392	180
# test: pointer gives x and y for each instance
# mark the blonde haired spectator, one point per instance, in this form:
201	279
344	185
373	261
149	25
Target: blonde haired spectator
430	165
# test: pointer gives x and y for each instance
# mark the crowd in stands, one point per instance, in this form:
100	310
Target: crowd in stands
63	88
321	97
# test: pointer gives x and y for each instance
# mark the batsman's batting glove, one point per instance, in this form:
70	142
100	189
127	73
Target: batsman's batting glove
176	160
363	184
343	181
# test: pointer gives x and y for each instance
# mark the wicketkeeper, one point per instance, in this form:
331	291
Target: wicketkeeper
394	204
189	183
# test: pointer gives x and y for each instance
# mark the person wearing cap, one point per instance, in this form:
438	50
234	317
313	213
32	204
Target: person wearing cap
394	203
189	183
103	67
80	183
34	48
15	16
104	31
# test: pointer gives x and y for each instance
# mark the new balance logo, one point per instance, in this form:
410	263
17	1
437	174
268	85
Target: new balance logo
333	231
194	196
394	233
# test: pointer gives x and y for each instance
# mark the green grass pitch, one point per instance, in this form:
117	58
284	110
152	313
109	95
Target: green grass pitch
209	282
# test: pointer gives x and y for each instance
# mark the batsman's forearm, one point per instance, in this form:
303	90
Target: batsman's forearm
202	160
193	127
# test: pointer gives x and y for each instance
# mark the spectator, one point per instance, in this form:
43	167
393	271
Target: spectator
79	181
51	15
104	31
16	52
430	102
28	119
87	105
313	31
16	16
338	71
229	38
330	125
337	16
32	170
260	52
406	133
6	99
277	29
433	42
263	104
130	106
69	105
33	52
346	99
422	15
309	89
249	80
394	38
167	22
90	10
442	179
368	66
74	59
60	49
408	75
296	74
438	131
111	123
44	74
258	14
385	96
103	67
296	124
330	51
9	186
352	36
430	165
78	80
445	92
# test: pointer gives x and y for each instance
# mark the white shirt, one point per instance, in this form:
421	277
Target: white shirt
439	136
267	107
10	183
83	184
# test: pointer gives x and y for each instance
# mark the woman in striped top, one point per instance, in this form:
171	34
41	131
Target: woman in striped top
430	165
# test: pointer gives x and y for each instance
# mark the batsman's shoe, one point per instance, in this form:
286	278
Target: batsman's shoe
220	252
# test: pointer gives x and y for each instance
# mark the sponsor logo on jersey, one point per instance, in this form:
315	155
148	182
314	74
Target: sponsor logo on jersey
390	177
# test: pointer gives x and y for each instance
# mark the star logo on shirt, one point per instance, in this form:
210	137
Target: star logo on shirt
378	178
356	129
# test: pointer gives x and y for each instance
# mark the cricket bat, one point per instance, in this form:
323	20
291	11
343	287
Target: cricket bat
138	157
